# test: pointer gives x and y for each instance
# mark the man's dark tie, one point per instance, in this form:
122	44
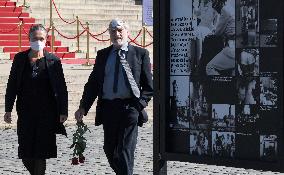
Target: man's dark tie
116	72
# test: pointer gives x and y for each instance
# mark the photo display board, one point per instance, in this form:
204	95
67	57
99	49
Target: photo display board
225	87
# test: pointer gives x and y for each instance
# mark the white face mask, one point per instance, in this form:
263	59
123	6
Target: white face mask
37	45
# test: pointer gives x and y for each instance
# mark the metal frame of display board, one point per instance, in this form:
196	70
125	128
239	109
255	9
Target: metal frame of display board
161	108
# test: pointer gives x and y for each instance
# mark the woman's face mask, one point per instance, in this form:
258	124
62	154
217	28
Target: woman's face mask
38	40
37	45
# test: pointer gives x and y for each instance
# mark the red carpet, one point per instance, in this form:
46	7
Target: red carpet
10	16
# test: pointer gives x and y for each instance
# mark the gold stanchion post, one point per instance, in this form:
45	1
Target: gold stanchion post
52	39
25	4
20	35
144	36
78	38
51	27
50	15
88	46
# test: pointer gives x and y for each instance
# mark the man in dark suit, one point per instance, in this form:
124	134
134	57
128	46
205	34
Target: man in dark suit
122	81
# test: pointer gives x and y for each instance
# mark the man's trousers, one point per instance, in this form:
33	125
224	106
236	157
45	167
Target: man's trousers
120	119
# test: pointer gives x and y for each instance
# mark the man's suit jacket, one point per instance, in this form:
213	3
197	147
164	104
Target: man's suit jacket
139	62
57	82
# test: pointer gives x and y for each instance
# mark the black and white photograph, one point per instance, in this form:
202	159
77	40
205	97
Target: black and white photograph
268	33
179	140
179	117
215	38
220	90
247	23
247	146
248	62
179	102
199	116
179	90
223	144
200	142
248	90
268	91
268	147
270	60
247	117
223	117
269	119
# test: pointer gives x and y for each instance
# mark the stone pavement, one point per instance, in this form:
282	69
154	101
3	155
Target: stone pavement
96	162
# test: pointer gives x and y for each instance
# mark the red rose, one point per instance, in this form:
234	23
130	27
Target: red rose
74	161
82	159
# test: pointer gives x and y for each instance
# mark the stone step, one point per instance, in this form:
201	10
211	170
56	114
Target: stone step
81	2
4	61
90	7
93	52
94	44
2	88
71	31
133	18
99	24
79	10
4	56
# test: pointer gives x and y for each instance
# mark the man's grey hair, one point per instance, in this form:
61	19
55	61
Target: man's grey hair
118	22
35	28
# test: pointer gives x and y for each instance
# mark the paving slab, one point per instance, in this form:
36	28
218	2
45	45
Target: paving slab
96	162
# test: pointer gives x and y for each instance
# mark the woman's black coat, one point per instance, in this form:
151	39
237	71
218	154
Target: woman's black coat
57	82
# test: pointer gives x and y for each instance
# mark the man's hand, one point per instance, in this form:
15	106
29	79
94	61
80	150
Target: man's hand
7	117
63	118
79	114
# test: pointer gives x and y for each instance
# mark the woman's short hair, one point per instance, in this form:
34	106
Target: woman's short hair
35	28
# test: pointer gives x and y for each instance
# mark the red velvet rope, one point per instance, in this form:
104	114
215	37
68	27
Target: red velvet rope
25	31
149	33
93	35
99	33
60	15
148	44
139	33
70	37
98	38
140	45
82	25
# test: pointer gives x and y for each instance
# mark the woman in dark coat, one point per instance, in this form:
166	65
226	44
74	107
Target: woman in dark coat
37	80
